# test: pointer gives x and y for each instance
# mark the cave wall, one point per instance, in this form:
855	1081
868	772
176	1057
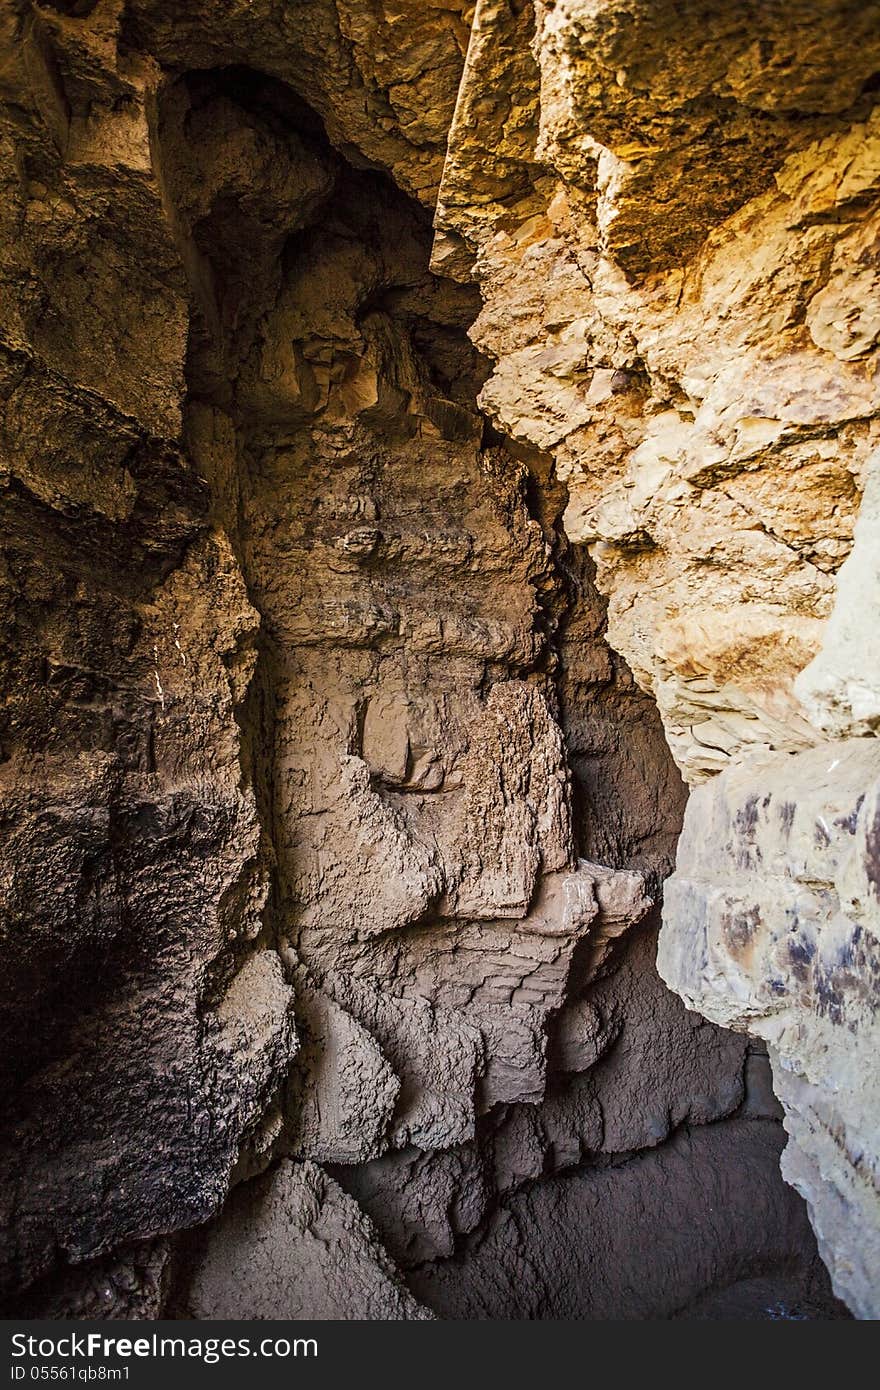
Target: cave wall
334	823
673	221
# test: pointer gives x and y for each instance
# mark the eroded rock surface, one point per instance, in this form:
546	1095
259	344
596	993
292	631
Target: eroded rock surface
772	927
607	1273
673	226
295	1246
334	828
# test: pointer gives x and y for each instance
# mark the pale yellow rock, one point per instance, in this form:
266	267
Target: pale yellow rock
712	447
674	230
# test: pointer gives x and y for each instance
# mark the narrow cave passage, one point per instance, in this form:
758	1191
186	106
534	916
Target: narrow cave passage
429	433
469	805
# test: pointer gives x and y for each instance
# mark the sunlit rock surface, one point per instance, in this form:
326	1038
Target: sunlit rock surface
427	432
674	229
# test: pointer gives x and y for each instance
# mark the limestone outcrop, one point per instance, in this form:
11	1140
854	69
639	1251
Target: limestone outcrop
840	689
707	385
428	431
673	226
772	927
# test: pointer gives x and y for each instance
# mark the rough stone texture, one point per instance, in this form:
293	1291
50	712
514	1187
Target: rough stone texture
773	918
686	1219
673	226
145	1021
292	1245
840	689
629	1067
332	824
427	890
131	1284
713	417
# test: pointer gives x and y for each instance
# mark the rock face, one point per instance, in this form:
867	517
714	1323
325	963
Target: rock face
695	325
673	228
291	1246
840	688
605	1275
772	927
334	823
